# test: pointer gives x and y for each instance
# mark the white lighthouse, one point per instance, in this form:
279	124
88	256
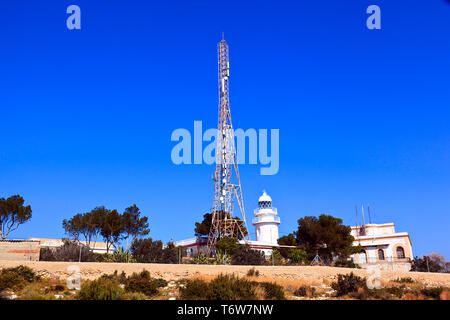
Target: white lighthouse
266	221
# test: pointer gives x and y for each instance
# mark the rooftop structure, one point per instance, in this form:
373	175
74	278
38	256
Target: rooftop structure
382	247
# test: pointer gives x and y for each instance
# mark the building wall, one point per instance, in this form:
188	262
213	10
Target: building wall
373	229
267	233
96	247
388	244
19	250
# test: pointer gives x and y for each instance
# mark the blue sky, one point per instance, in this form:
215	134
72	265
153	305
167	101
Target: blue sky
87	115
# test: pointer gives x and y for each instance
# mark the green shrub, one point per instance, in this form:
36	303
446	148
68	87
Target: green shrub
380	293
17	277
273	291
22	271
276	258
122	278
11	281
228	245
304	291
142	282
223	287
122	255
135	296
57	288
149	251
252	272
35	291
144	274
69	251
141	285
194	290
347	283
404	280
201	258
297	256
221	258
433	292
301	292
396	291
169	254
101	289
246	256
160	283
230	287
425	264
119	256
288	240
137	283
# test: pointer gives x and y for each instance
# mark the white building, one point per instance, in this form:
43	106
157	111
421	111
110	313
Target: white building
265	221
383	248
96	247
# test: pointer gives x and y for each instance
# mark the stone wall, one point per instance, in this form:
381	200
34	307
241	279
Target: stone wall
388	266
19	250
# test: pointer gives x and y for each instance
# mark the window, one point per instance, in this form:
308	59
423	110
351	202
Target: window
400	253
380	254
362	257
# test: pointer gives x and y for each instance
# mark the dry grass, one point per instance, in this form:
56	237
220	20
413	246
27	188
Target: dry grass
286	283
260	293
294	283
45	289
293	276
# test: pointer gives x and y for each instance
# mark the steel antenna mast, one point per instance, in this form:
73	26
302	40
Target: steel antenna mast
226	189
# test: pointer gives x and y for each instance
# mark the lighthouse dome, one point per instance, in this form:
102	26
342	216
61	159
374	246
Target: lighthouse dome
264	198
265	201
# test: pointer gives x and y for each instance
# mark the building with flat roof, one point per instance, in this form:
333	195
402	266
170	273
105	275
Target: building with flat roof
382	247
96	247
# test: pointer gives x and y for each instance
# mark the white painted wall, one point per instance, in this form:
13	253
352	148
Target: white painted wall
267	233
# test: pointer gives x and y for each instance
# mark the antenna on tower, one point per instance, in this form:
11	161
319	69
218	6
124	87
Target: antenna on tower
364	220
368	210
226	191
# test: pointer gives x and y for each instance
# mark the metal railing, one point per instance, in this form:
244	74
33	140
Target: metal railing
388	259
258	210
268	219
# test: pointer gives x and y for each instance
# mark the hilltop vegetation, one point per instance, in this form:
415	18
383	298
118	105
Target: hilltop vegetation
22	282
